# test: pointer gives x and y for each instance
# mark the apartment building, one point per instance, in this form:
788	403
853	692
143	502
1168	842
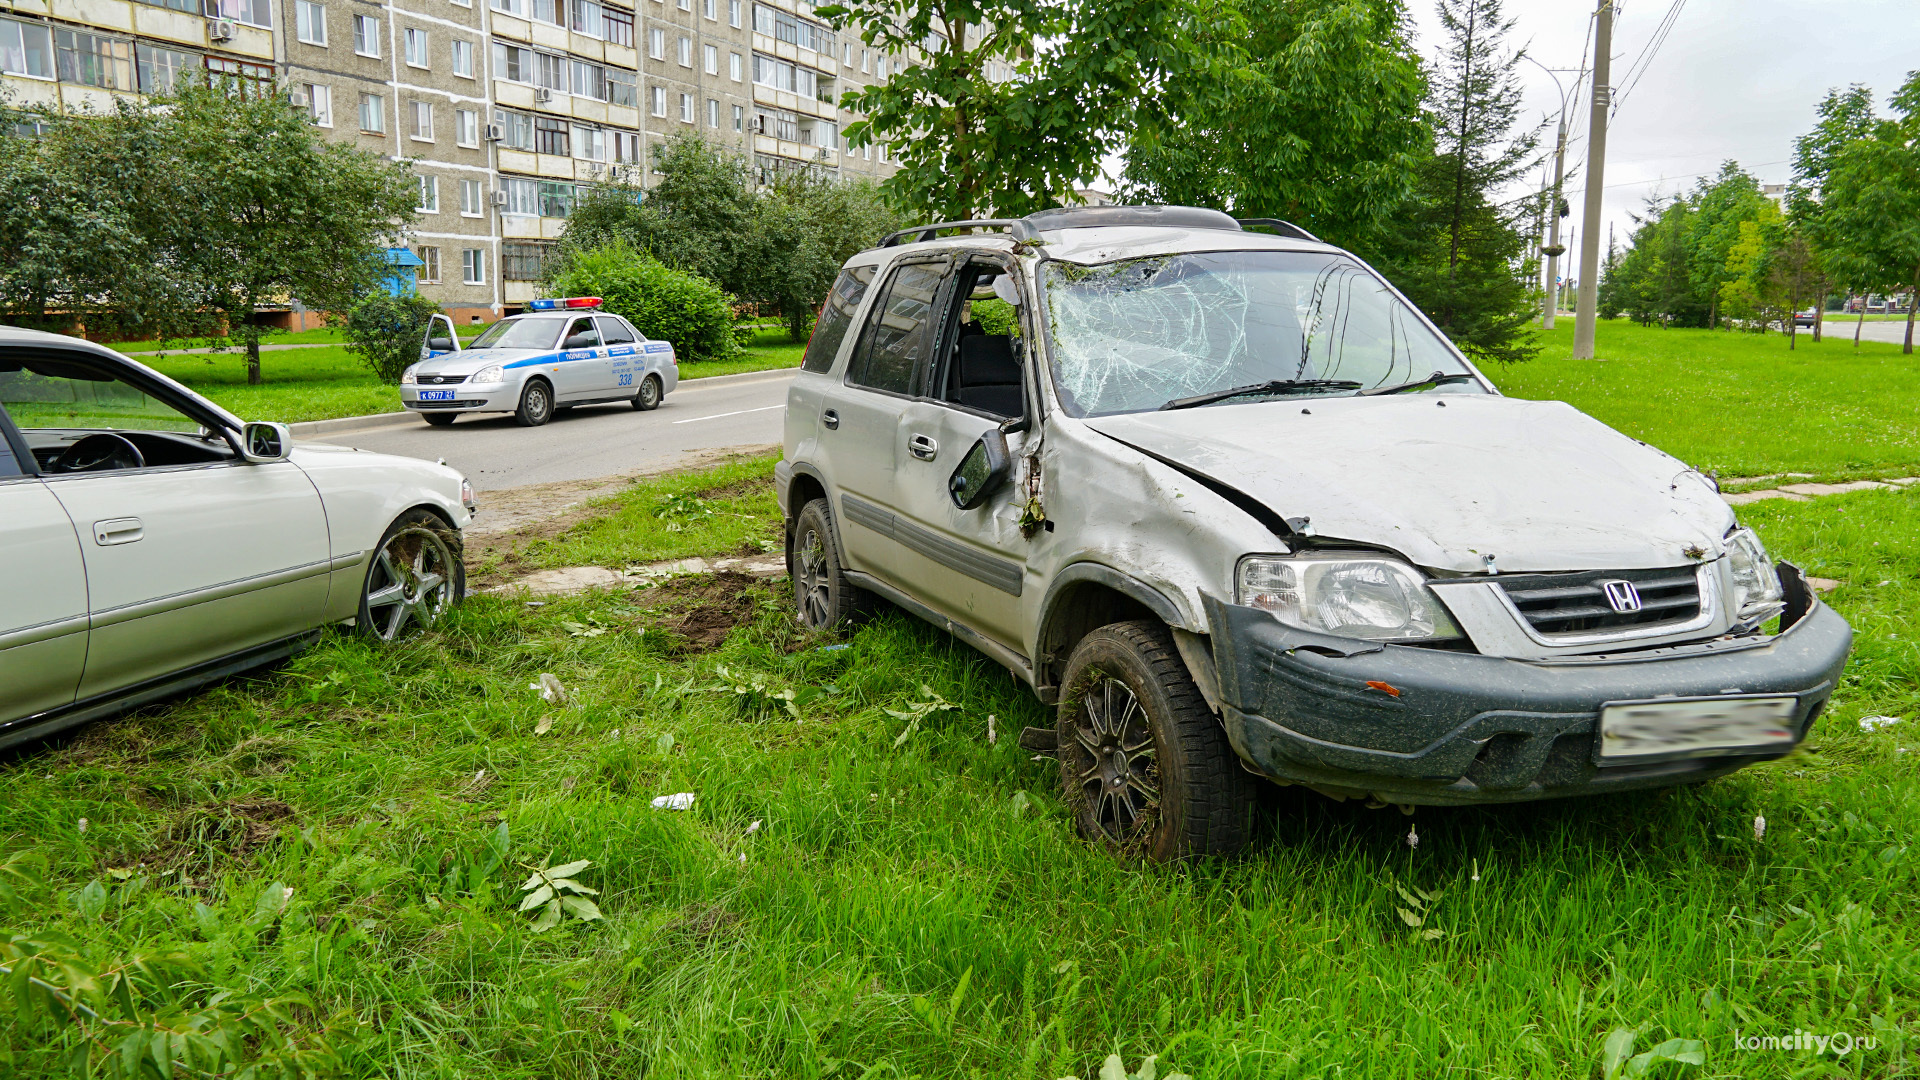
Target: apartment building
506	107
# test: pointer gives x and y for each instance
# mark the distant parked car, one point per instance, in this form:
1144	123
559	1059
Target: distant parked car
1805	318
154	542
559	354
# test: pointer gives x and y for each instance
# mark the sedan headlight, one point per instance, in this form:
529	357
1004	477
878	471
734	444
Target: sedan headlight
406	377
490	374
1368	597
1756	584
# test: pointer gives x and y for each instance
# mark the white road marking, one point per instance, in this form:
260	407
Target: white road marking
736	412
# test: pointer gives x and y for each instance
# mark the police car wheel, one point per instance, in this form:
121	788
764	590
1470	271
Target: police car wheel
438	419
536	404
647	398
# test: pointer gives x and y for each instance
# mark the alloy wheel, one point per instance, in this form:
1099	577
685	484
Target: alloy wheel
1115	769
411	582
812	578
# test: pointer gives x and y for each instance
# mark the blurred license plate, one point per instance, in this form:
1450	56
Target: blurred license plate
436	395
1685	727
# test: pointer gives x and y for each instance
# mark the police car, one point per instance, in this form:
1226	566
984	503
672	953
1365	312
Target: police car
559	354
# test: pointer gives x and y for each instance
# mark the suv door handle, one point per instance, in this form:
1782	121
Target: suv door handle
922	447
117	531
831	419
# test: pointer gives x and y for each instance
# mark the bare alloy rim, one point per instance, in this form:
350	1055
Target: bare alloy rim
1116	763
411	582
811	578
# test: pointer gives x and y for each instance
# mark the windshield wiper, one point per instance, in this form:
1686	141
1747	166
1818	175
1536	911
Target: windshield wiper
1435	379
1271	386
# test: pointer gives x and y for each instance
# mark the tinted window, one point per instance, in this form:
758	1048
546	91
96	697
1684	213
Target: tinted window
895	344
836	316
581	335
614	332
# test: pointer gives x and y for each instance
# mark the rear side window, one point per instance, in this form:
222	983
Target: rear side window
837	316
614	331
895	344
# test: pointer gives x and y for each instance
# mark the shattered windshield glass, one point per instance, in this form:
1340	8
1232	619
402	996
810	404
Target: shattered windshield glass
1131	336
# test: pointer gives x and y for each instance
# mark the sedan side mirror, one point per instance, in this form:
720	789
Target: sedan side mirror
986	466
266	442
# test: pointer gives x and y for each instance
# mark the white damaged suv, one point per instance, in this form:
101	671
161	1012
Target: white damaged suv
1236	506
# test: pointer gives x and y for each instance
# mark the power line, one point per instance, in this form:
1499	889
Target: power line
1647	52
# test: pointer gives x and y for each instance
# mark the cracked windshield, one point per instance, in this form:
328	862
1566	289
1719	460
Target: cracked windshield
1145	333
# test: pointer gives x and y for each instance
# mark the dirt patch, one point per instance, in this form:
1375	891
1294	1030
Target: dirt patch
236	828
701	610
700	925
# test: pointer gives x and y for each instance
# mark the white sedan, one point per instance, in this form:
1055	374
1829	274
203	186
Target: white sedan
154	542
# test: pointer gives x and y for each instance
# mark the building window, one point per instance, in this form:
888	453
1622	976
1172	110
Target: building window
516	129
463	58
94	61
711	54
556	200
686	51
686	5
416	47
523	196
429	195
26	49
793	30
619	25
778	123
252	12
310	23
366	35
848	58
657	44
523	261
236	74
589	143
320	104
686	108
626	146
735	62
423	121
713	113
158	67
550	71
429	272
623	88
785	75
373	114
550	136
466	127
739	117
473	266
709	8
659	101
473	198
511	7
863	62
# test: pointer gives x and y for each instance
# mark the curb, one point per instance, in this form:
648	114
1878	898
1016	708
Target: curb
310	428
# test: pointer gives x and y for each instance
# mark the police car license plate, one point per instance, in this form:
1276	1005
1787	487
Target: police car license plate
436	395
1693	727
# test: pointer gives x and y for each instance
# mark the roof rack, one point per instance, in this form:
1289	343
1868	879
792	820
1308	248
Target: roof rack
1019	227
1284	228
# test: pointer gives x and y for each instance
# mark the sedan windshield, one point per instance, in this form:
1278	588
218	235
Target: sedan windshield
536	333
1232	327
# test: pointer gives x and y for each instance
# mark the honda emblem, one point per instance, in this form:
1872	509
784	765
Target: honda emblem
1621	595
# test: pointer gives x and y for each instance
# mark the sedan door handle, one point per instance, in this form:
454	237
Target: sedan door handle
831	419
922	447
116	531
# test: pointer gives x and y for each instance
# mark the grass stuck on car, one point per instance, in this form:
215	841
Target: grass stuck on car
558	354
1216	490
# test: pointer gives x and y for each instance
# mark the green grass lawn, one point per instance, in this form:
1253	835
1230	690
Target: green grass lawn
323	383
912	903
1737	404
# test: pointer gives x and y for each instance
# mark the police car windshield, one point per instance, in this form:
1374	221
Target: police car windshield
521	333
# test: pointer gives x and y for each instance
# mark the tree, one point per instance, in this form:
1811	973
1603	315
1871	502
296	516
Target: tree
983	121
663	303
692	219
1316	120
1793	273
1844	115
385	331
1719	206
801	232
1871	201
1457	249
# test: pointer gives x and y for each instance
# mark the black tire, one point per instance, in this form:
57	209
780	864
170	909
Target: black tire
1158	780
413	577
821	591
536	403
647	398
438	419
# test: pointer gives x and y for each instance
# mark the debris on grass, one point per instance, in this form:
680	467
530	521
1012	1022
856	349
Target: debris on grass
993	736
1875	723
557	894
682	800
702	610
1759	828
914	713
550	689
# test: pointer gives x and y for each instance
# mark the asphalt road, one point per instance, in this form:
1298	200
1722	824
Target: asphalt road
1888	330
592	441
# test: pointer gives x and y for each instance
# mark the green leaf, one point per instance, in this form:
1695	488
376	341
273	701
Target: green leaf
581	906
1113	1068
621	1021
568	869
537	897
1614	1053
663	744
533	880
548	919
573	886
91	900
1409	917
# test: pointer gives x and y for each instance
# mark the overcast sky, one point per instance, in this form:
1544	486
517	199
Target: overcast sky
1734	79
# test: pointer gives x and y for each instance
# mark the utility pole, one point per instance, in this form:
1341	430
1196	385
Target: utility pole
1553	248
1596	181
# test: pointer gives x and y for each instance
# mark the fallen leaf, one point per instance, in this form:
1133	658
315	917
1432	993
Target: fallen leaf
1375	684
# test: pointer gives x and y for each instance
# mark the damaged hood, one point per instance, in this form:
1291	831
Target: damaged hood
1446	479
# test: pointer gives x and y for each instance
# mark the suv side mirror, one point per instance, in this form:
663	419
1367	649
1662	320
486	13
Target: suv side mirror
266	442
986	466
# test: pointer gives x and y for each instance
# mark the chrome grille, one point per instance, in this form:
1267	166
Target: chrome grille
1575	603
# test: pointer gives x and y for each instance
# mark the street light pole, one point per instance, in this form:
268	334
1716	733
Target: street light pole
1596	181
1553	248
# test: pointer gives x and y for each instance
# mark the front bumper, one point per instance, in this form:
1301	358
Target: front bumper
493	397
1311	709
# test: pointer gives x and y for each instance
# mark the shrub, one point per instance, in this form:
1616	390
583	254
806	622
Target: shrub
386	331
665	304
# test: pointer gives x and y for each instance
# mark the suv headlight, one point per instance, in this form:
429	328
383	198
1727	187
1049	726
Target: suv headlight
1756	584
489	374
406	377
1368	597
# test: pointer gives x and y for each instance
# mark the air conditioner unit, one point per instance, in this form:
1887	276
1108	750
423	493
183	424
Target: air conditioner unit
496	132
542	95
596	169
499	198
222	29
758	126
297	98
